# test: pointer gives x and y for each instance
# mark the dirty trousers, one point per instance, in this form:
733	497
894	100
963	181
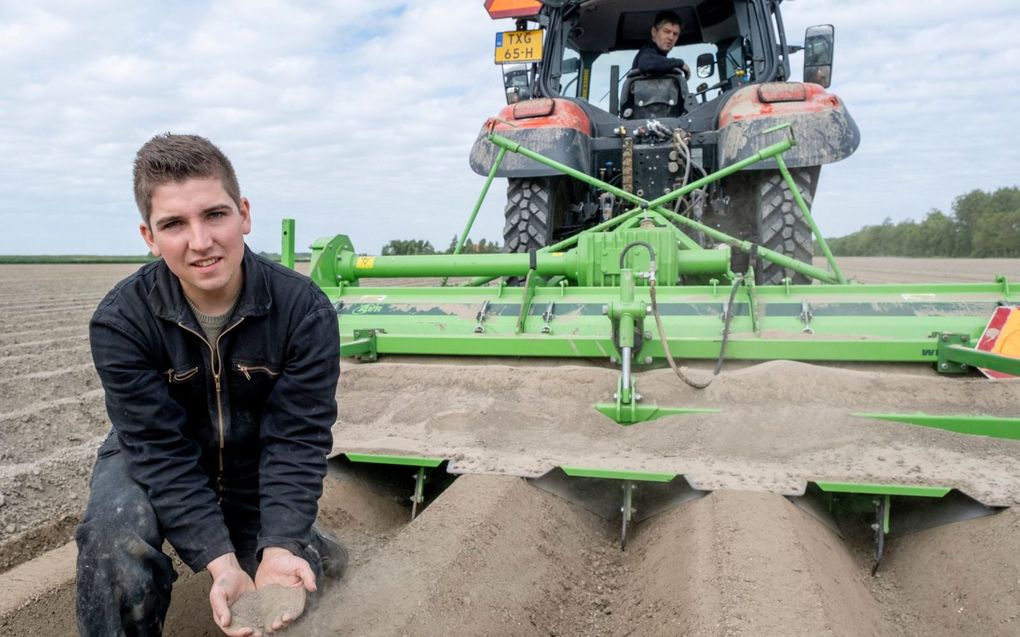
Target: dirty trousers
124	578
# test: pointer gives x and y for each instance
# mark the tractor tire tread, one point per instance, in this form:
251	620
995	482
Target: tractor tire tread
528	212
782	226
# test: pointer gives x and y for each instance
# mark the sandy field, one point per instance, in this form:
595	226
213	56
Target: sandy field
496	555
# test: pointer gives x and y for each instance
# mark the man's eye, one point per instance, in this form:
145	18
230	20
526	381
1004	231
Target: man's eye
171	224
216	214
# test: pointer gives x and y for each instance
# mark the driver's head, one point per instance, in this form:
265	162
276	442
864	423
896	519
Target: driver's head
666	30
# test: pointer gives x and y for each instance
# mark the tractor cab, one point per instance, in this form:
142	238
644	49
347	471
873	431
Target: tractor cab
591	54
573	94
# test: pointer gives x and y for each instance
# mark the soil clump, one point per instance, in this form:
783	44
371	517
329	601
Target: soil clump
260	608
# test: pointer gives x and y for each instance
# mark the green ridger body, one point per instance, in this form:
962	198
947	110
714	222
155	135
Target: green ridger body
567	381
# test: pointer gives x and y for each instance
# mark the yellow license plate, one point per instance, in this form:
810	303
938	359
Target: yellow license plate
519	46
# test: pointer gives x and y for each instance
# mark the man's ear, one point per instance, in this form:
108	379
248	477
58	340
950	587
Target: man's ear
245	211
150	241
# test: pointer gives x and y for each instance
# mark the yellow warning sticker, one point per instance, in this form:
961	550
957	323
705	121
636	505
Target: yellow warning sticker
365	263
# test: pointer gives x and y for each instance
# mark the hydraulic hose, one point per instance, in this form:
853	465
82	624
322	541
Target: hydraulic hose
647	246
689	163
727	319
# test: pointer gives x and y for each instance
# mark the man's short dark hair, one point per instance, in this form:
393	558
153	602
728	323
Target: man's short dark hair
667	17
175	158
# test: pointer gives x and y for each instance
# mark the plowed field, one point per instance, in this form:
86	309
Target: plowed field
494	555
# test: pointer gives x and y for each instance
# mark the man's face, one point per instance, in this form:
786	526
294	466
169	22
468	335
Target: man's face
199	231
665	37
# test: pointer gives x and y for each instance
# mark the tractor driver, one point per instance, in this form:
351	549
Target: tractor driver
220	370
651	58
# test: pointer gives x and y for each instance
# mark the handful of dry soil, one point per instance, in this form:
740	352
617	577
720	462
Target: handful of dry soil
258	609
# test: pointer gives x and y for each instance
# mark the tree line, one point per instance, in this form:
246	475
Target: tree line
981	224
418	246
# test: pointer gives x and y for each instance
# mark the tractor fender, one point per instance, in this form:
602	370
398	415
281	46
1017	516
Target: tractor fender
556	128
823	130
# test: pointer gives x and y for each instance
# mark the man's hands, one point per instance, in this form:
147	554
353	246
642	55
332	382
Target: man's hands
279	567
283	568
686	69
229	581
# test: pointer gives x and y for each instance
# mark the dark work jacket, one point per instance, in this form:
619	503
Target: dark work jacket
258	424
650	59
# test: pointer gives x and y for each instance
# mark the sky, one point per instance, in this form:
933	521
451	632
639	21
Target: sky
357	116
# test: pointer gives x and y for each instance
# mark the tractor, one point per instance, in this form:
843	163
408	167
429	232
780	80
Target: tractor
673	225
572	96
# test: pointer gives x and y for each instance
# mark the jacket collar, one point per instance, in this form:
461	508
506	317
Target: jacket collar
655	47
166	298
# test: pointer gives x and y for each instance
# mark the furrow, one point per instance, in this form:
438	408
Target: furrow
491	556
38	494
26	390
38	347
19	364
31	432
28	336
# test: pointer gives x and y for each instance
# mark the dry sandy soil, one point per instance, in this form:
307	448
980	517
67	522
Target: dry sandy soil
494	555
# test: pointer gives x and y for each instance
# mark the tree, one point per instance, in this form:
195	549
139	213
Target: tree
483	245
407	246
982	224
992	221
939	236
997	234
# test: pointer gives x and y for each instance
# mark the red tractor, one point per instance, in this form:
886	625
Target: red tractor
652	133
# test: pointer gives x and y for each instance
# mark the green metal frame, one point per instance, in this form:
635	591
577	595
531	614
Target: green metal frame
956	357
883	489
882	323
287	243
589	296
405	461
658	205
903	323
990	426
640	476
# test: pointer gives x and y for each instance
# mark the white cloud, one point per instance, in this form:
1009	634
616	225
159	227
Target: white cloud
34	32
930	87
358	116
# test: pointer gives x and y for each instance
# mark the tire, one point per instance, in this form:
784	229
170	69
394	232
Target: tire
533	207
781	224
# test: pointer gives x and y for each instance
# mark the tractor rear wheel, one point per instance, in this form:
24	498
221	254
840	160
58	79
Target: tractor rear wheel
535	207
782	227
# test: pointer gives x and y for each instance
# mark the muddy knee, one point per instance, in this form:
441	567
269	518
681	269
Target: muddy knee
125	576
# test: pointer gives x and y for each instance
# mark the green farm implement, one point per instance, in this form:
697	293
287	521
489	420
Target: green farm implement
562	376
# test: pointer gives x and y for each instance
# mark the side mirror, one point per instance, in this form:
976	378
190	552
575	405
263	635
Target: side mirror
818	42
517	84
706	64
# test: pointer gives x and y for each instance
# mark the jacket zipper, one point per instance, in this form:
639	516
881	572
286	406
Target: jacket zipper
215	364
246	370
173	377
